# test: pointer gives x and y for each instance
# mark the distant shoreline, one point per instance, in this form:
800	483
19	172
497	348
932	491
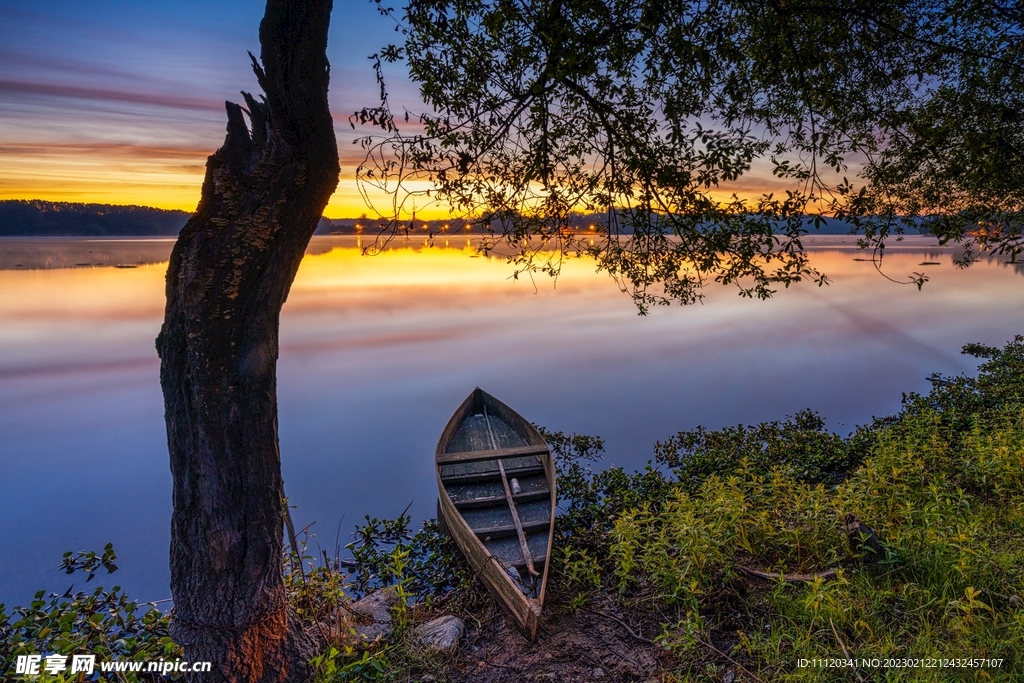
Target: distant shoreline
41	218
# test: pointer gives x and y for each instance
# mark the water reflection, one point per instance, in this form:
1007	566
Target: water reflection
378	351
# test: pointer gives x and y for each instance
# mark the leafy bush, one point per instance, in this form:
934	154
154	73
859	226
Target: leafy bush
433	563
800	446
103	623
942	484
418	567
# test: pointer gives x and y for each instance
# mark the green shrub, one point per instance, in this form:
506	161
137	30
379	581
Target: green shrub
103	623
800	446
942	484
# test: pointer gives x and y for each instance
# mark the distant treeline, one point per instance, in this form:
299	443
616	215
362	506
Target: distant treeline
39	218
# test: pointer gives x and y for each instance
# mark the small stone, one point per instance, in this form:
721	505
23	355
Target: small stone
1016	602
428	678
374	614
729	676
598	672
442	633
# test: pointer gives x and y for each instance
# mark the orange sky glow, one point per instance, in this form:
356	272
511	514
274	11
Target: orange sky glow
103	104
162	177
170	177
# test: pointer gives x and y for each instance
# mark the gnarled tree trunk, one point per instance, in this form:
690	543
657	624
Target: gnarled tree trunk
228	277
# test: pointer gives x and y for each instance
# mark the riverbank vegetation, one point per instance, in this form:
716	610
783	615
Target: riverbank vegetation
738	544
734	555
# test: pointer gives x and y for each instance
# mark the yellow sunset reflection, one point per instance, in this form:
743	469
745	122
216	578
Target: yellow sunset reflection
406	271
377	350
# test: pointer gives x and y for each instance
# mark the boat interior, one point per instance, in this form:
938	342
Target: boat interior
504	497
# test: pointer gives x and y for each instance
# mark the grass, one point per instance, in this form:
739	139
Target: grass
953	520
941	483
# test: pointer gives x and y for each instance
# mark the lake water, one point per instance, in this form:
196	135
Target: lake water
377	352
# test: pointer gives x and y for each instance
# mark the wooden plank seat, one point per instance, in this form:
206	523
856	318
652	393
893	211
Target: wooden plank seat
491	475
490	454
493	500
488	493
485	534
507	550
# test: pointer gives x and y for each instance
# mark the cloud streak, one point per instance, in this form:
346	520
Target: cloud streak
120	149
99	368
9	88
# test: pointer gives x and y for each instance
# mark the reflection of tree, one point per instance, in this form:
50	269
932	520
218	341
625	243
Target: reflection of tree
1001	261
70	252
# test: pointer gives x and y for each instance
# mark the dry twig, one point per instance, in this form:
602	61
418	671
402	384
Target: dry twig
621	623
790	578
735	663
842	646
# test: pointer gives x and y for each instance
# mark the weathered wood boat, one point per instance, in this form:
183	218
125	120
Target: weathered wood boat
496	488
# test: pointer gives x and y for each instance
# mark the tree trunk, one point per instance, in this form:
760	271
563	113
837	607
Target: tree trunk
228	277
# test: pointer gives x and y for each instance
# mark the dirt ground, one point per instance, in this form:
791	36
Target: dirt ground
584	645
602	641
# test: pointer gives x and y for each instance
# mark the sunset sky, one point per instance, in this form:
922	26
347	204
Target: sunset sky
121	102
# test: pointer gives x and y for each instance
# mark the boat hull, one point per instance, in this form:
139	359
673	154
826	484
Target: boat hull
496	495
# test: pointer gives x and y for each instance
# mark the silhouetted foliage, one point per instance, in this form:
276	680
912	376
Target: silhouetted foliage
655	113
955	151
433	563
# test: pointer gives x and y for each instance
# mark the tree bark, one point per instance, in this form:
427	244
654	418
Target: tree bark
229	275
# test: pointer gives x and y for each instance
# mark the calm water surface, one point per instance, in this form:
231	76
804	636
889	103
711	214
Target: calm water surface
377	352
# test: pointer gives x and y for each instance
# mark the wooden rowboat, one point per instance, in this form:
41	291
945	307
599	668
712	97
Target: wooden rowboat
496	488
